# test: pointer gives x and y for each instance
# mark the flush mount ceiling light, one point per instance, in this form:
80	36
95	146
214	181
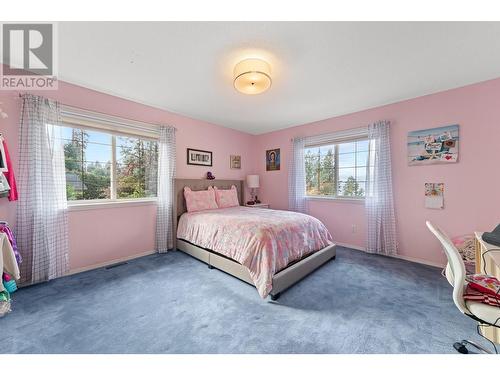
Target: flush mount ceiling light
252	76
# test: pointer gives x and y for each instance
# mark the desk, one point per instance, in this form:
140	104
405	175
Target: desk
491	265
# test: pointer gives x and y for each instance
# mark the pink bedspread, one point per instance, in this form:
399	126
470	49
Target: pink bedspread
264	241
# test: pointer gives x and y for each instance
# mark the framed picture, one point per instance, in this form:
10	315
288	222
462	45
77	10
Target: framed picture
199	157
273	160
235	161
433	146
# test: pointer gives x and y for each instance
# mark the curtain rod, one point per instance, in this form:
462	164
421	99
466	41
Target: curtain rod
325	134
102	113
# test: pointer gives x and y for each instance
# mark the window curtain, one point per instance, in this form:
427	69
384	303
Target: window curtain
379	202
166	174
42	222
297	177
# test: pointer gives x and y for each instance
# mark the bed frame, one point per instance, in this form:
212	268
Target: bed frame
281	281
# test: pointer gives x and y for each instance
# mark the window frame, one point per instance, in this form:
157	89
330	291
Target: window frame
114	201
335	196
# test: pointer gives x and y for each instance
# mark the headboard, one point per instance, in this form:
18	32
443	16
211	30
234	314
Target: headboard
199	184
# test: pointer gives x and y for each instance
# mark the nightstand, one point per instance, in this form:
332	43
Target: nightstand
258	205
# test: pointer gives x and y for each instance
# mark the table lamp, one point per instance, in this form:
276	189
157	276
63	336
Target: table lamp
253	184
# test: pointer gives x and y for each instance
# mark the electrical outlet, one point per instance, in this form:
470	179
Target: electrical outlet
354	228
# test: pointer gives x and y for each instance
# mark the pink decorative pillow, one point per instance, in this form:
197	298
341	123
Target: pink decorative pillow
200	200
227	198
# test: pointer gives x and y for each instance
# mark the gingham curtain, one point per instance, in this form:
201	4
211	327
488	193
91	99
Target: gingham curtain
166	174
42	223
297	177
379	201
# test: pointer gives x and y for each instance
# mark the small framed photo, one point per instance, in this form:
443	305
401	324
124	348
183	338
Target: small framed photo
235	161
199	157
273	160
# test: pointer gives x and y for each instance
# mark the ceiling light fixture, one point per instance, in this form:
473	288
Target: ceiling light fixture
252	76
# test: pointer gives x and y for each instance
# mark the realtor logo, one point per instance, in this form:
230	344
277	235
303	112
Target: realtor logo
28	57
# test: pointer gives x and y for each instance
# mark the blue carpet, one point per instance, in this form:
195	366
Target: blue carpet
172	303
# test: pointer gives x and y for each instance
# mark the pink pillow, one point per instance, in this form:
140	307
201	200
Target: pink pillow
227	198
200	200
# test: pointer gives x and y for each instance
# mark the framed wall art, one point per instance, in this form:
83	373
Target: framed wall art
273	160
433	146
235	161
199	157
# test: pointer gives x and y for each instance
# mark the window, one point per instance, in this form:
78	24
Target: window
337	170
102	165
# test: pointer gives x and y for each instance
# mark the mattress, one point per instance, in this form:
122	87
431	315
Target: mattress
262	240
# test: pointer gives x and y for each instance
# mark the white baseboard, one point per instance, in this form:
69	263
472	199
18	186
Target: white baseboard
140	255
350	246
109	263
421	261
404	257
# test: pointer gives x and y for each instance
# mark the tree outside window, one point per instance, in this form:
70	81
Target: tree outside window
337	170
90	168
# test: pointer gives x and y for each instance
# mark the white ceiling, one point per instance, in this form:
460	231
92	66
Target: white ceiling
319	69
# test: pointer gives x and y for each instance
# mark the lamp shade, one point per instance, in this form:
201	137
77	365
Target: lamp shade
253	181
252	76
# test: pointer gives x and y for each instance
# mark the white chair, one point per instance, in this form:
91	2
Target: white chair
455	273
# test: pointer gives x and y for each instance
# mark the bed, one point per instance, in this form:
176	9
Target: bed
270	249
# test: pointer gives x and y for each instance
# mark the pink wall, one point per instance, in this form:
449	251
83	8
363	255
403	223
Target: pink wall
101	235
472	199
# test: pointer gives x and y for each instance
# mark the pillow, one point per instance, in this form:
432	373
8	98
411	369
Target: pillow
227	198
200	200
484	284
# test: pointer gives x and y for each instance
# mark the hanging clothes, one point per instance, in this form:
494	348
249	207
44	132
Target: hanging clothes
4	227
8	261
4	186
9	173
